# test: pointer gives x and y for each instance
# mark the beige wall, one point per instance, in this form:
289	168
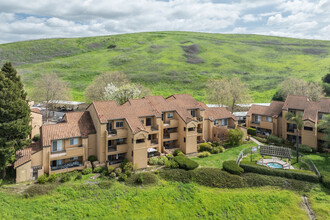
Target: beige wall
36	123
23	173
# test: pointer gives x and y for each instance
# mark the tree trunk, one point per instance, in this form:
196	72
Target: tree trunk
297	146
3	176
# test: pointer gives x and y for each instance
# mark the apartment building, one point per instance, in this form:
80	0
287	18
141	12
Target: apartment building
271	119
136	130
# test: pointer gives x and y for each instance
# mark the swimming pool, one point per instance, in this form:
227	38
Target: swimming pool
275	165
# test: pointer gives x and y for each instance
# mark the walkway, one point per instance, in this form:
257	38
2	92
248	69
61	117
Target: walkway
256	141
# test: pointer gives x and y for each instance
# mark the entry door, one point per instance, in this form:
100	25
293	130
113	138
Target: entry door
35	173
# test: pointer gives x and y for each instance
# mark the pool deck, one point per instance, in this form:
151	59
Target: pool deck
276	160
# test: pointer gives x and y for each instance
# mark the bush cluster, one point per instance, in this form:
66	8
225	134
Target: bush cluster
235	137
66	177
98	169
231	167
122	177
177	152
274	139
261	139
281	173
204	154
52	178
86	171
186	163
36	137
172	164
43	179
304	149
205	147
145	178
92	158
213	148
252	131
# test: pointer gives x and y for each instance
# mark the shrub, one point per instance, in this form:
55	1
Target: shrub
171	164
156	172
110	169
112	175
36	137
66	177
128	173
122	177
170	156
118	171
52	178
105	184
39	190
153	161
204	154
98	170
231	167
181	154
79	176
261	139
162	160
235	137
258	180
145	178
42	179
128	167
282	173
86	171
222	149
304	149
175	153
205	147
122	164
274	139
92	158
252	131
216	150
186	163
104	172
176	175
326	179
216	143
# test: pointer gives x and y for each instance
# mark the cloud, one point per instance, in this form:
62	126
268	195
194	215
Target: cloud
24	20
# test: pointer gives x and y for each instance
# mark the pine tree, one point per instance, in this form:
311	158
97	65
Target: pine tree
14	116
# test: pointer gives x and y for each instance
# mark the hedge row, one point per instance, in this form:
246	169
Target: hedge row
280	173
326	179
252	131
186	163
231	167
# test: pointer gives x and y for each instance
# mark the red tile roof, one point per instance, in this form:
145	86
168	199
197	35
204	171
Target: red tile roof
273	110
23	156
75	124
154	106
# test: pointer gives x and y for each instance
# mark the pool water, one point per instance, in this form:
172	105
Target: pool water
275	165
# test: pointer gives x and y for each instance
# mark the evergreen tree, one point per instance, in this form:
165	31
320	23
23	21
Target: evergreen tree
14	116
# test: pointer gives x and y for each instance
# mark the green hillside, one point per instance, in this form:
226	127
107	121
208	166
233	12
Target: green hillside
173	62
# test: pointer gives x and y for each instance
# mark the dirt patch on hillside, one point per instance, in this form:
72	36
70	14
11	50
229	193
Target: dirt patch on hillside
191	52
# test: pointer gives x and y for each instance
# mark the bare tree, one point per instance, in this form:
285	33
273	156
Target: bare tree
49	89
95	91
227	92
300	87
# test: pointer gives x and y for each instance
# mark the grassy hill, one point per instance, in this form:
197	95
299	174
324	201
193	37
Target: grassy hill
173	62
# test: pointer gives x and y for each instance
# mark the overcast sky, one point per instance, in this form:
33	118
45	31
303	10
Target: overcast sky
36	19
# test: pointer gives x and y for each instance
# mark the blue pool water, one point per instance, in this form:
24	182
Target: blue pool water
275	165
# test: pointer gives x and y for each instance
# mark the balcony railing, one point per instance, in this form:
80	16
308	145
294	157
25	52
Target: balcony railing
166	136
112	132
66	166
256	122
199	130
154	142
112	148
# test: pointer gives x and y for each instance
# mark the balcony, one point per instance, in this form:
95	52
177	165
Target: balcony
170	136
172	123
154	142
67	167
152	129
117	133
199	130
118	148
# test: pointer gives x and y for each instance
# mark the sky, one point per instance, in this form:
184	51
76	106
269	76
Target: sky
37	19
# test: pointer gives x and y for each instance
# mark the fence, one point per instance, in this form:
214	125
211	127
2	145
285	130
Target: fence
241	154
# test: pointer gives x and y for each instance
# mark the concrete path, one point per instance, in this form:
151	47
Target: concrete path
256	141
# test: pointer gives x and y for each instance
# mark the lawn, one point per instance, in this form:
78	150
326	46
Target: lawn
164	201
159	60
216	160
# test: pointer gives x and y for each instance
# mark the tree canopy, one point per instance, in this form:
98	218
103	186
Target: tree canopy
299	87
227	92
14	116
325	127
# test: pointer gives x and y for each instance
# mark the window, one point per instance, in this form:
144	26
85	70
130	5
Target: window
56	163
138	141
191	129
184	129
112	146
308	128
142	121
184	140
116	158
257	119
73	141
149	122
293	112
119	124
269	119
57	146
109	127
291	127
170	115
321	116
216	122
120	141
193	113
74	158
224	122
149	137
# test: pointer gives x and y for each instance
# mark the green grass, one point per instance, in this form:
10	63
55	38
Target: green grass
158	61
163	201
216	160
320	201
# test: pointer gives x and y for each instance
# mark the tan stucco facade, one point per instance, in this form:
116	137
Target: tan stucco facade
36	123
